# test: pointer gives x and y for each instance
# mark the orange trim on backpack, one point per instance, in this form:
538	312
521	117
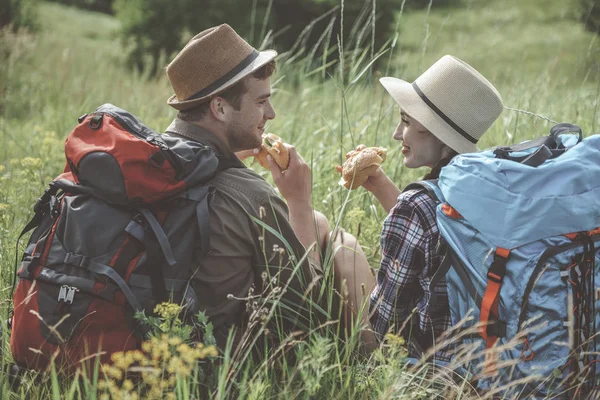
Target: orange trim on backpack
489	305
527	349
495	276
594	232
448	210
502	252
573	235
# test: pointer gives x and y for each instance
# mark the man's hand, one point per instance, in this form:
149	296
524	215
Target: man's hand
294	183
295	186
242	155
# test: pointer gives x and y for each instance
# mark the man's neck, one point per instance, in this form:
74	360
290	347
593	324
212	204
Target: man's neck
215	129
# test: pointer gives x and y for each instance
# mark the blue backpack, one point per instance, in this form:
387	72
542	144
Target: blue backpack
520	235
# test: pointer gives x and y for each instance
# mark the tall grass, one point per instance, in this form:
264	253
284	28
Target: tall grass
536	53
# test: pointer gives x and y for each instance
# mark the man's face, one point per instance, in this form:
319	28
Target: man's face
245	126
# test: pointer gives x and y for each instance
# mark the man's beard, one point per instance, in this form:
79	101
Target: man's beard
242	139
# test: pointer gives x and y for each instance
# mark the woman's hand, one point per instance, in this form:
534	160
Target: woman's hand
373	182
382	187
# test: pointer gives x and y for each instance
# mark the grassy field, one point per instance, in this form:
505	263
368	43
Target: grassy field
536	52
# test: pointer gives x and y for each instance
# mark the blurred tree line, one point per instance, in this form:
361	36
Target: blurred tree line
103	6
154	30
18	14
591	14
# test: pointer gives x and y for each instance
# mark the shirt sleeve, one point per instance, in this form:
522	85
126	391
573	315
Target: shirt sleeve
223	277
288	268
404	247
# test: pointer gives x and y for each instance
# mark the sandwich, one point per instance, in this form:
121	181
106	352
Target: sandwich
360	164
273	145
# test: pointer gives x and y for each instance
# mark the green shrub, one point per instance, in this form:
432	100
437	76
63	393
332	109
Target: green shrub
291	18
591	14
103	6
18	14
155	29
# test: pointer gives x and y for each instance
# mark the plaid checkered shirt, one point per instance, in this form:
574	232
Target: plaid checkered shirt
409	260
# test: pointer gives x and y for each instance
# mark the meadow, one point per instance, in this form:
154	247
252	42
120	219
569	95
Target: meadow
536	52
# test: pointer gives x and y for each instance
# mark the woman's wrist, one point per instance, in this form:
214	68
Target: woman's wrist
386	192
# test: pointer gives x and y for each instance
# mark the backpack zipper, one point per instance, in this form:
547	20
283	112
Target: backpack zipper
172	157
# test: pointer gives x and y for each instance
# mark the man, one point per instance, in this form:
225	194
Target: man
222	91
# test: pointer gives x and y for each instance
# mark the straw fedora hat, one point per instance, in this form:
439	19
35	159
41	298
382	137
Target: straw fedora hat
212	61
452	100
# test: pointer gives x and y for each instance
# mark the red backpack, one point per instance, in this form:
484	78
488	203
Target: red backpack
114	235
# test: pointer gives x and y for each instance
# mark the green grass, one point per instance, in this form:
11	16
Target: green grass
537	53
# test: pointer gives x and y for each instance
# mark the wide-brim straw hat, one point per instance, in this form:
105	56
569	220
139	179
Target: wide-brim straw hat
452	100
211	62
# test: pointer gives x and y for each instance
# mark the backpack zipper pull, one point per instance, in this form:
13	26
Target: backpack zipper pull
169	154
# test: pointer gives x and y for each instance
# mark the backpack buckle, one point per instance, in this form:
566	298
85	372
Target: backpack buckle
67	294
497	270
54	207
45	198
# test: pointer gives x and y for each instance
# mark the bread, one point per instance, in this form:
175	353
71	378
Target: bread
360	164
273	145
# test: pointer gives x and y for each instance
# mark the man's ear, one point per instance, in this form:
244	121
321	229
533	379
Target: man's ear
218	108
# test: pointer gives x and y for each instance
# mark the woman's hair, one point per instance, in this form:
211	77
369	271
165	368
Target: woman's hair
437	168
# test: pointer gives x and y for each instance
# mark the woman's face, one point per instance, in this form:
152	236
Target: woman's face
419	146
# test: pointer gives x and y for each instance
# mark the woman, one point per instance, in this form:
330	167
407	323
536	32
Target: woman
444	112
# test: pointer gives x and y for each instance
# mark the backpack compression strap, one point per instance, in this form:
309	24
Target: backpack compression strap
489	305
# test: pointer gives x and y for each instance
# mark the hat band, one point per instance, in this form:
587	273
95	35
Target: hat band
442	115
225	78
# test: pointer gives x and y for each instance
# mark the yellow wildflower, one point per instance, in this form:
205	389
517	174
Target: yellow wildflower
395	340
128	385
147	346
175	341
114	373
163	347
150	379
210	351
137	355
167	310
30	162
183	348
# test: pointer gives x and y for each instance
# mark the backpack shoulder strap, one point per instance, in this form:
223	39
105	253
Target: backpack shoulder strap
449	258
432	188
